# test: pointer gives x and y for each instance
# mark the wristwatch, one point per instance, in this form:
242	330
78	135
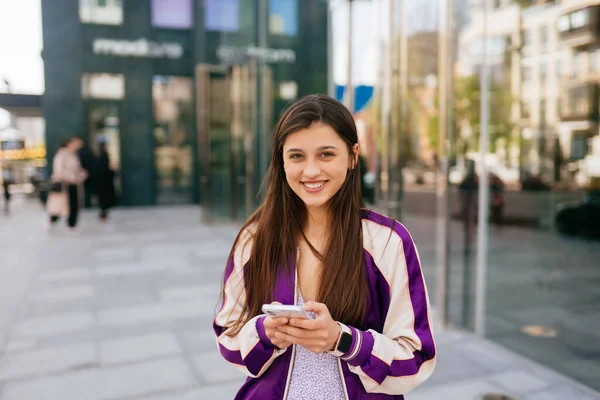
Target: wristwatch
344	341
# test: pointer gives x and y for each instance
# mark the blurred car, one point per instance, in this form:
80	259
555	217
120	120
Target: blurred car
580	218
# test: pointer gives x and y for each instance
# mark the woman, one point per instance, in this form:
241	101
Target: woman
312	243
104	179
66	170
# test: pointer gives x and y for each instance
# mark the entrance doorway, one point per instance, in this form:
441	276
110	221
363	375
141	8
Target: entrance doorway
172	98
228	117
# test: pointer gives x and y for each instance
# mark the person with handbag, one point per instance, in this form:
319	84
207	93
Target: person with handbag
67	175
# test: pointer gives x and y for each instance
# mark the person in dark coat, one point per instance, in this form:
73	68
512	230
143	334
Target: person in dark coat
86	158
104	182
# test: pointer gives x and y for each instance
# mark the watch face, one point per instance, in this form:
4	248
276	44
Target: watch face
345	342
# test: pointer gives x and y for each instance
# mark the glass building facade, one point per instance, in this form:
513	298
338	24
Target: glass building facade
526	276
185	92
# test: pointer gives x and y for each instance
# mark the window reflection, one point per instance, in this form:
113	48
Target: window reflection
173	154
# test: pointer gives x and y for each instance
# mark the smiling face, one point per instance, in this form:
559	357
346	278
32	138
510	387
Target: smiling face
316	161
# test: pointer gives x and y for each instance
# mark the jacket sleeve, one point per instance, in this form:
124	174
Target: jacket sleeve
403	355
250	350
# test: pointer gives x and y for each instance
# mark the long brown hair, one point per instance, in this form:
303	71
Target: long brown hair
280	220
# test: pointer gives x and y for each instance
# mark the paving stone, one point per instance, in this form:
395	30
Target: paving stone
105	254
467	390
138	348
454	364
150	312
45	361
213	368
113	299
519	381
66	275
494	357
65	293
197	340
21	344
222	391
54	324
210	292
41	309
137	269
105	383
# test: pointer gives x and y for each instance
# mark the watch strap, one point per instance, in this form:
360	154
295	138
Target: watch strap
344	329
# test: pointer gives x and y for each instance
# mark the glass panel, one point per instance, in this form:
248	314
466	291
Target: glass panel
222	15
104	12
173	155
542	295
247	54
175	14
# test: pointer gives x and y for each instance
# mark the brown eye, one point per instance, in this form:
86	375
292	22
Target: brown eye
327	155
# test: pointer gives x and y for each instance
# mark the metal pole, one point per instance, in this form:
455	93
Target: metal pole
392	115
442	187
263	135
403	126
483	214
349	86
330	82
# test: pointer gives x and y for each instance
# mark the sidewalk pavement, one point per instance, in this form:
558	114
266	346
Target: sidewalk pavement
126	313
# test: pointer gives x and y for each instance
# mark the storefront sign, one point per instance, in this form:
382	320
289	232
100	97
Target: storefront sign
138	48
230	54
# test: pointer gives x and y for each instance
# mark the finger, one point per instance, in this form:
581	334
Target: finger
276	303
309	324
280	321
304	342
271	322
282	344
297	332
314	306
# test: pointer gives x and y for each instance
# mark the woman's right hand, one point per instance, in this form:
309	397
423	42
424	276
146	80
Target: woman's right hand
272	325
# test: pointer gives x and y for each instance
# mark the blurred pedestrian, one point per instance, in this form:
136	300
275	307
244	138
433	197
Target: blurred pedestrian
468	200
7	180
497	199
104	182
354	274
67	176
87	161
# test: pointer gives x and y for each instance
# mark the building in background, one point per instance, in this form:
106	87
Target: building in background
543	57
22	142
184	91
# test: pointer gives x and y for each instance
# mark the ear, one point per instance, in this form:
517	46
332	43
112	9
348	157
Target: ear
354	155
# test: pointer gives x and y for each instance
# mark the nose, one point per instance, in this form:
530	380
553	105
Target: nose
312	169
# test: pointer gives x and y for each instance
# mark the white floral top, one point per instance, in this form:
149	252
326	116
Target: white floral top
315	376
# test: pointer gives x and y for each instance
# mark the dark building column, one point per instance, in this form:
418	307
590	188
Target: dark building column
61	103
137	144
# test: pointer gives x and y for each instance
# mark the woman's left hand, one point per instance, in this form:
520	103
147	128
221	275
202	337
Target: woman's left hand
317	335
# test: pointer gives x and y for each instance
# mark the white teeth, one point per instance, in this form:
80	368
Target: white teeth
313	185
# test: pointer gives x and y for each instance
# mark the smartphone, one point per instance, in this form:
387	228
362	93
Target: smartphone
279	310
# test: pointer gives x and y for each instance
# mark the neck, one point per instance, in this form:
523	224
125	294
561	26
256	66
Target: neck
316	224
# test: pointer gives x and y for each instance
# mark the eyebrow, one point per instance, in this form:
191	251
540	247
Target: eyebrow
320	148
